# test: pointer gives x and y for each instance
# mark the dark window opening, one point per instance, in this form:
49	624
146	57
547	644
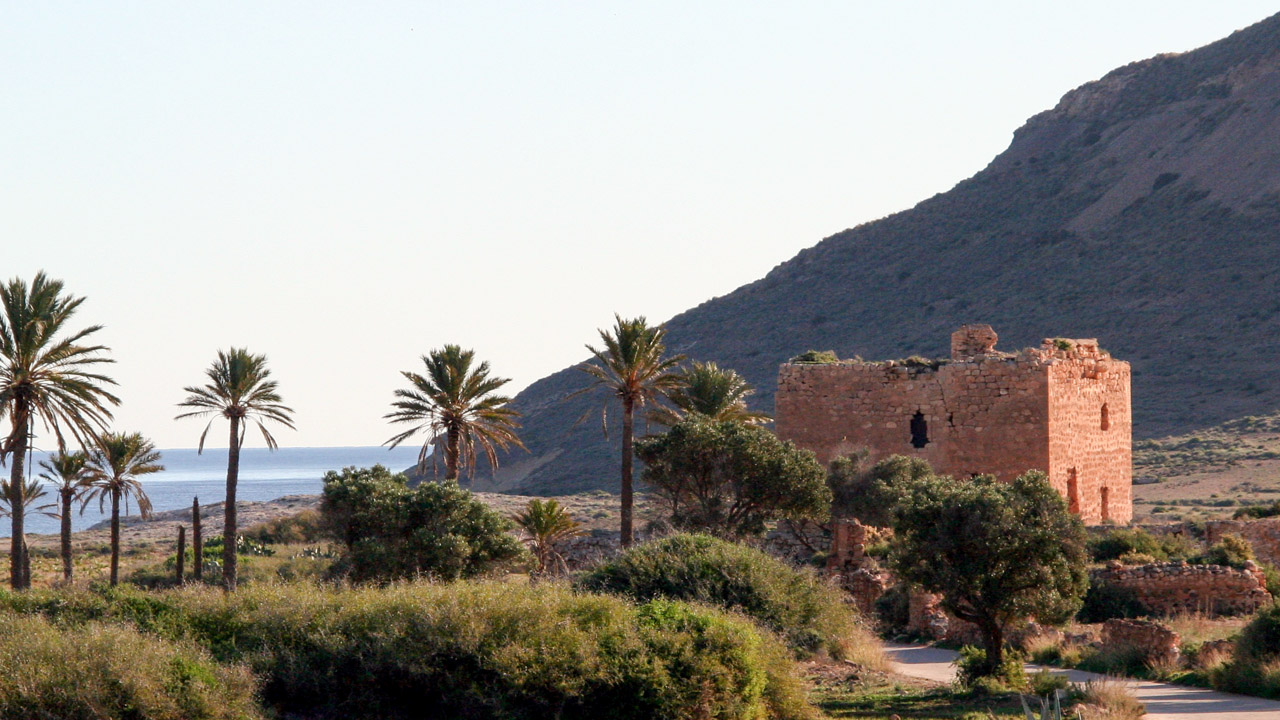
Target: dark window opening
1106	417
1106	503
1073	491
919	430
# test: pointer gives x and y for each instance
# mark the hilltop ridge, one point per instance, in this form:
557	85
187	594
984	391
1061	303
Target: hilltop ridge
1143	209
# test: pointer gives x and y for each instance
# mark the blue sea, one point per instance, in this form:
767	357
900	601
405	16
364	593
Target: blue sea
264	475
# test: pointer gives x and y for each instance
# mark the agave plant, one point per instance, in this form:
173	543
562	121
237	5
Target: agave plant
547	524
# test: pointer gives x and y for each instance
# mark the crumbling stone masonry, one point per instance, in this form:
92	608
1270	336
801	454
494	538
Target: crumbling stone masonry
1063	408
1153	641
1172	588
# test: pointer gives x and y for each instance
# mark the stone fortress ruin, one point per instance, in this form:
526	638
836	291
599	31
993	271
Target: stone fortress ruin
1062	408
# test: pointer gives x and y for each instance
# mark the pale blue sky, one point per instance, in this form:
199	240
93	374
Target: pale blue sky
343	186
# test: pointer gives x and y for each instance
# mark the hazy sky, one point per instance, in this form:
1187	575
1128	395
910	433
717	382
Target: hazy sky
344	186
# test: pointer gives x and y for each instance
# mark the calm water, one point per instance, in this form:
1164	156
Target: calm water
264	475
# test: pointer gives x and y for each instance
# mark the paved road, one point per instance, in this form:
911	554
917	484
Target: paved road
1163	701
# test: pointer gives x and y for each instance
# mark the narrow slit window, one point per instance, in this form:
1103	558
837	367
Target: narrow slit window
1073	491
919	430
1106	503
1106	417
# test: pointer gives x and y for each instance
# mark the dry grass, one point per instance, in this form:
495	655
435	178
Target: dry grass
1109	699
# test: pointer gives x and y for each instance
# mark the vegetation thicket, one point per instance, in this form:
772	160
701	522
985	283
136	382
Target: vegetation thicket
113	469
868	494
240	390
811	615
466	649
393	532
995	552
1254	668
711	391
546	525
632	367
67	473
47	374
457	406
731	478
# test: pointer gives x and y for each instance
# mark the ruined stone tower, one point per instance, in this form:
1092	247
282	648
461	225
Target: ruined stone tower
1062	408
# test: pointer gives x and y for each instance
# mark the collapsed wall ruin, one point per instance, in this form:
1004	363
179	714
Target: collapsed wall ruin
1063	408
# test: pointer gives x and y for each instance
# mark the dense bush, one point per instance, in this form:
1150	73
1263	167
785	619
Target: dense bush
99	671
1253	512
392	531
1231	550
1117	543
810	615
303	527
1254	668
973	671
471	650
1104	601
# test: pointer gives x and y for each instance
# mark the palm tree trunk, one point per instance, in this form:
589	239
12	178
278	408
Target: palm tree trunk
229	512
115	537
628	425
68	494
18	449
197	542
453	439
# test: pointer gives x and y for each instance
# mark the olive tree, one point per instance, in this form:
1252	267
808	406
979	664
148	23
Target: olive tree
730	478
995	552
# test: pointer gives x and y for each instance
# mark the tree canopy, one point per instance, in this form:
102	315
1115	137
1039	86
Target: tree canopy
997	552
730	478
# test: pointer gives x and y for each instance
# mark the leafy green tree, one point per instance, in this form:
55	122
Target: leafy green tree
114	467
996	552
547	524
48	373
394	532
632	367
730	479
240	390
868	494
707	389
458	407
68	473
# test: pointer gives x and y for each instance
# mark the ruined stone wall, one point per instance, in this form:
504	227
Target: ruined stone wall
1063	408
1171	588
1262	534
1153	641
1090	432
985	416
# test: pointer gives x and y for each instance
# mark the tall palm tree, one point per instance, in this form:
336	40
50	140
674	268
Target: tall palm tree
458	408
47	373
632	367
114	466
66	472
709	390
32	492
239	390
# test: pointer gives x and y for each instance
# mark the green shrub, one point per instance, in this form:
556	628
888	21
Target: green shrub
99	671
816	356
481	650
1254	668
1119	660
1231	550
1258	511
893	608
972	672
1114	544
810	615
1103	602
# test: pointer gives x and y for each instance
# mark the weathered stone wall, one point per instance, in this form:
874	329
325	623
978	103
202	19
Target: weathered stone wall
1090	432
1263	535
1170	588
980	412
1155	642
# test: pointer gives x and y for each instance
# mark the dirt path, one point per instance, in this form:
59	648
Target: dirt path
1163	701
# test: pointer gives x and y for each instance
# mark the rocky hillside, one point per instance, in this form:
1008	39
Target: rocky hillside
1143	210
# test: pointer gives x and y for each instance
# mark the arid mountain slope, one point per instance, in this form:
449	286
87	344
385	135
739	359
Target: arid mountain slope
1143	210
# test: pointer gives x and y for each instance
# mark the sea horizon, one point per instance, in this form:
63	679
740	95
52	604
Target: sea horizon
264	475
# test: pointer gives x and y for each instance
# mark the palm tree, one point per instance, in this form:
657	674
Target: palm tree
632	368
32	491
239	390
709	390
456	405
46	374
114	466
66	472
546	523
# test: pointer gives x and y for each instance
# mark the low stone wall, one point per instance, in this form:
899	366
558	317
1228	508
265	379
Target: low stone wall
865	585
1153	641
1170	588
